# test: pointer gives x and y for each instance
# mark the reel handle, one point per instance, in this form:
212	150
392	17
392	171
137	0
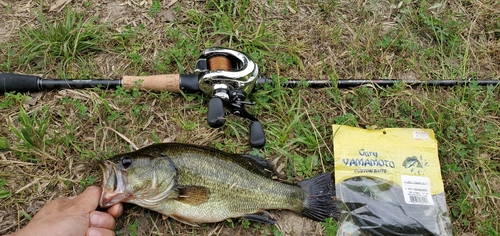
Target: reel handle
257	136
216	114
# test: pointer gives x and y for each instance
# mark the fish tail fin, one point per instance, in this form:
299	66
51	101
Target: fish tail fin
319	202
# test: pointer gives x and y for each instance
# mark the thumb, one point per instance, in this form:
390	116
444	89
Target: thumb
88	199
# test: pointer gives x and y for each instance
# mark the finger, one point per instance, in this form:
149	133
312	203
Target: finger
102	220
99	232
116	210
89	199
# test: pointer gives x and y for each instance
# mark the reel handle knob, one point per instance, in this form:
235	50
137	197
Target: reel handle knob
257	136
216	114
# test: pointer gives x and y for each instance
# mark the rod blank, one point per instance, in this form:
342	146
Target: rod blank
382	83
10	82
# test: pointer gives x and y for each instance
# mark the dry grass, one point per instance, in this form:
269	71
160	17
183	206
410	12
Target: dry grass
73	129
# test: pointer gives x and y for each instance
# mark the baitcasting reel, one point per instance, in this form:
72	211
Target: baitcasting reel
229	76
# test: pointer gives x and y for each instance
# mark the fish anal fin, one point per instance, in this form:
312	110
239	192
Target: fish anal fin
193	195
263	217
183	220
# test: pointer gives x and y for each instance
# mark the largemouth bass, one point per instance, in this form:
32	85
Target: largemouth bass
196	184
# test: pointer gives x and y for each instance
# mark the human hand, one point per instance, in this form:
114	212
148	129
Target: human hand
74	216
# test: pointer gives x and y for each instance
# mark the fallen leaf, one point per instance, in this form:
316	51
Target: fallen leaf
171	3
437	5
35	206
35	97
167	16
59	4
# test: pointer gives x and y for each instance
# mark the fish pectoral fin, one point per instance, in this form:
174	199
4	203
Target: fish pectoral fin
263	217
183	220
193	195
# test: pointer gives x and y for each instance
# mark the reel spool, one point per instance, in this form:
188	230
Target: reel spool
219	63
228	76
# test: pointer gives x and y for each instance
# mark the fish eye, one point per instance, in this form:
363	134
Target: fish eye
126	162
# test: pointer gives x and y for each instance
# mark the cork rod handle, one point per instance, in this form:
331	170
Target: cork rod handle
170	82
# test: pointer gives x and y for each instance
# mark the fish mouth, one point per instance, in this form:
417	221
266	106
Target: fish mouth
113	185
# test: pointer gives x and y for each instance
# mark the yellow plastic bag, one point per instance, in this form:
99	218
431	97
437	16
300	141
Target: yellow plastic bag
389	182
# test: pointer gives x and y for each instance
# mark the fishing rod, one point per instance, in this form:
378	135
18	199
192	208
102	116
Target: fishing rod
227	76
188	83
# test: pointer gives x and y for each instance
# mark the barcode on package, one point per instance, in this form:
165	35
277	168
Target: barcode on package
417	190
419	199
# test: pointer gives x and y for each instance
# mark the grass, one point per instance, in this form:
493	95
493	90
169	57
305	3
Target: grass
50	142
62	43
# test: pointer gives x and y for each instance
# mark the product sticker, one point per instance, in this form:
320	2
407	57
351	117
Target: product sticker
421	135
417	190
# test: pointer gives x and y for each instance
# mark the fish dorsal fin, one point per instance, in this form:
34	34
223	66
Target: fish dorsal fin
258	165
252	163
255	164
193	195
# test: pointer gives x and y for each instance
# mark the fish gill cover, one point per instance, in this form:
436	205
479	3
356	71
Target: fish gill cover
389	182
